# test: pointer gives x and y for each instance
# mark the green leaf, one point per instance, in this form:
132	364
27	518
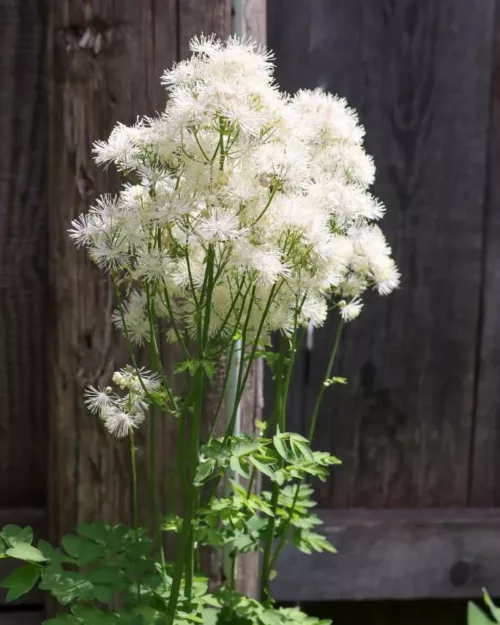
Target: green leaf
93	616
91	553
101	593
67	586
245	445
98	532
304	450
73	545
104	575
238	489
204	471
493	609
475	616
280	447
63	619
210	616
21	581
270	617
209	368
148	614
15	535
263	468
26	552
237	467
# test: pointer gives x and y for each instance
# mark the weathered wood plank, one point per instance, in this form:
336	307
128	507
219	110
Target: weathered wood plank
207	17
255	20
34	617
23	262
397	554
112	76
485	466
419	74
36	518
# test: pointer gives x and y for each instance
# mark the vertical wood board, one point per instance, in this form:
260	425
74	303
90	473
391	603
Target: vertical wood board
418	72
23	255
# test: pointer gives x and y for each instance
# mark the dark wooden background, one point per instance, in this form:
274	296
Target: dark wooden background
413	509
417	427
69	69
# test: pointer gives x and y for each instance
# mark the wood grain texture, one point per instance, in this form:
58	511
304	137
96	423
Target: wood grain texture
255	20
115	77
419	73
207	17
485	466
23	258
393	554
91	91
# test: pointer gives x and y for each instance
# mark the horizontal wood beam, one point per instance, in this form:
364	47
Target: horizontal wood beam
397	554
21	617
36	518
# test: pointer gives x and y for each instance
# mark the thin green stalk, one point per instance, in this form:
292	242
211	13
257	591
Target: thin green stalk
135	501
324	386
312	427
222	393
194	460
282	541
251	481
232	578
154	351
280	400
278	411
210	285
176	330
268	544
242	381
135	505
185	555
268	204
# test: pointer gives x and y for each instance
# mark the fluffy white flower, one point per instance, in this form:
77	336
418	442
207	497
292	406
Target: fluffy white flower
350	310
118	422
220	226
264	192
122	148
314	310
97	399
133	318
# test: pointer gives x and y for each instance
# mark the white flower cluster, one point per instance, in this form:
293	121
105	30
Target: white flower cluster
122	413
243	203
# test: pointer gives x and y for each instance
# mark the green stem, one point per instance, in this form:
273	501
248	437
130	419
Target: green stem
324	386
268	204
268	544
251	481
232	579
282	541
222	393
135	503
242	380
312	427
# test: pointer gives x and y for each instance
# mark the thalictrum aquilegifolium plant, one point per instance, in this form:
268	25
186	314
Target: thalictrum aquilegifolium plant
245	212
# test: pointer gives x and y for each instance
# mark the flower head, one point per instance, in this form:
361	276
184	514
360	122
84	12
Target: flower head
249	209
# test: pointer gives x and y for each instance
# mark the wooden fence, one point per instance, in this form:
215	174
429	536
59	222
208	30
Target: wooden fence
413	508
68	71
